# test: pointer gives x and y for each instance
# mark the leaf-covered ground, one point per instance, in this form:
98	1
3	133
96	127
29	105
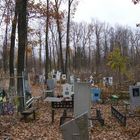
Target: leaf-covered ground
12	128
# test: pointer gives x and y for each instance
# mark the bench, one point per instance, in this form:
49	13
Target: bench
28	112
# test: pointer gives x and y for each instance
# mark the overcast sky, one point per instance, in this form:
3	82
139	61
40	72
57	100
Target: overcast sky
123	12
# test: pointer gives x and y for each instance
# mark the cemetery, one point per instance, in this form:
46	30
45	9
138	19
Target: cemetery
66	75
70	111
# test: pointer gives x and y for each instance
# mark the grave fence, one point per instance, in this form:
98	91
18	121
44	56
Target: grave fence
119	116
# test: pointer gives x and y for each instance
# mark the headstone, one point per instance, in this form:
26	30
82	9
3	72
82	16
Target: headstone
54	76
72	79
134	92
82	99
138	84
91	81
52	72
67	90
108	81
78	80
41	78
58	76
51	84
64	76
95	94
76	129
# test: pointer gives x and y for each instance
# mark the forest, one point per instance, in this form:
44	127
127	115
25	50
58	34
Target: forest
50	39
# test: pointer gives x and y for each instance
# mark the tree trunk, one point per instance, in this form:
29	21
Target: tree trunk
5	56
67	39
22	39
59	36
12	47
47	48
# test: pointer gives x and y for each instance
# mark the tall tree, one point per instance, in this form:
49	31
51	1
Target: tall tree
46	41
67	60
5	43
12	45
59	29
98	30
22	42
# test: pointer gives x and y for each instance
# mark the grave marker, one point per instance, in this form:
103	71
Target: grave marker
72	79
64	76
51	84
82	99
134	92
95	94
108	81
76	129
67	90
58	76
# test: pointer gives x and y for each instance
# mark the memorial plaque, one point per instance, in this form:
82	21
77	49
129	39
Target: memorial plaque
134	92
82	99
76	129
67	90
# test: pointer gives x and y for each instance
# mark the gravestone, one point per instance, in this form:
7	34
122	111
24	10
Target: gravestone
41	78
134	92
67	90
138	83
51	84
108	81
72	79
82	99
49	92
95	94
58	76
76	129
63	76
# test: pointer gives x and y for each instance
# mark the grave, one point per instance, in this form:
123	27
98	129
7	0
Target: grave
41	79
134	92
49	92
76	129
98	117
51	84
107	81
71	79
119	116
58	76
95	94
63	76
82	99
67	90
59	103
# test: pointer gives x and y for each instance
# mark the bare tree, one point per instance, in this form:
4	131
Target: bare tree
46	41
22	42
59	29
12	45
